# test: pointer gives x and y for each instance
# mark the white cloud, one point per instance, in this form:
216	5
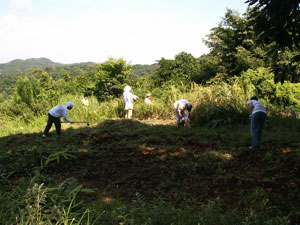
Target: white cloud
20	6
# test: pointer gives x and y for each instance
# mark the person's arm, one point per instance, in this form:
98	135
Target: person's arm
251	107
180	109
65	113
179	113
187	116
135	97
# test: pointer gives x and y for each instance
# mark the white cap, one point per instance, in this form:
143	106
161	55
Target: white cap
148	95
69	105
127	88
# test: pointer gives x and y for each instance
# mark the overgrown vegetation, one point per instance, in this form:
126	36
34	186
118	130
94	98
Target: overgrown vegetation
146	170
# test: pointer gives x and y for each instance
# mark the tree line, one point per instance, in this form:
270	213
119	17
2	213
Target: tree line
239	52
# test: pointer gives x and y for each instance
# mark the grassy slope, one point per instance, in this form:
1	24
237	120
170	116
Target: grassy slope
185	167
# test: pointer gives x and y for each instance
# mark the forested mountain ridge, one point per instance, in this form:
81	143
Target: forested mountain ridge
20	65
53	68
11	71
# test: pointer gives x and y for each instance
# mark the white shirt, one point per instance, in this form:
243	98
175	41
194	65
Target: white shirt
128	99
60	111
147	101
179	106
85	101
257	106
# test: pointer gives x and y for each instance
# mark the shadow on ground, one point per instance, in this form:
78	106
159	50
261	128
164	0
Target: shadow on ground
119	158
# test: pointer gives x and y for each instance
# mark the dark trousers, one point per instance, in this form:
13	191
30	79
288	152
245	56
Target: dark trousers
51	120
257	122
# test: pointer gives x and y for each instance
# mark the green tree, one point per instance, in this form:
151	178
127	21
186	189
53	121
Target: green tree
277	21
185	67
164	72
24	91
111	77
208	68
232	42
259	82
180	70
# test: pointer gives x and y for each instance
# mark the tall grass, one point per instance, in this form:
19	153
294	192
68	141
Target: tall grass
213	106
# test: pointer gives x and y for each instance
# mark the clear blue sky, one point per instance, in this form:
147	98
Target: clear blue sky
139	31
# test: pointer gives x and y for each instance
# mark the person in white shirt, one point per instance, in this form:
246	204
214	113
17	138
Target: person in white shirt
180	108
258	114
85	100
54	116
128	98
147	99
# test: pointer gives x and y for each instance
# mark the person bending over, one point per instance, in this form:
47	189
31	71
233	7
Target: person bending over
54	116
180	108
258	114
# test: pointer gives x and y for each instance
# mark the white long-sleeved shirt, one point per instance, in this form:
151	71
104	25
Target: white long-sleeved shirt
128	98
179	106
60	111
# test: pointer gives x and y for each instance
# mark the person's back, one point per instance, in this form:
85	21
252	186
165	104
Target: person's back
180	108
180	104
258	115
257	106
54	116
58	111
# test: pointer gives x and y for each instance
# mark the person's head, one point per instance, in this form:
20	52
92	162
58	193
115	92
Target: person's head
69	105
85	96
189	107
127	88
148	95
254	98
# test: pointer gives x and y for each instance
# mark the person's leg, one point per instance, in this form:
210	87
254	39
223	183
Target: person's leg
257	123
129	113
179	123
126	114
49	124
57	125
177	117
261	118
255	142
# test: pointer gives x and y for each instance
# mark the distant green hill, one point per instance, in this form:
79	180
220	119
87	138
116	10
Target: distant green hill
9	72
20	65
55	69
139	70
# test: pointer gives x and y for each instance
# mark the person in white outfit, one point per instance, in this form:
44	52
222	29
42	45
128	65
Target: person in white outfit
128	98
54	116
85	100
180	108
147	99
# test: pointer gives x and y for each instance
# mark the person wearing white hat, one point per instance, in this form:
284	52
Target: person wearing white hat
54	116
128	98
147	99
